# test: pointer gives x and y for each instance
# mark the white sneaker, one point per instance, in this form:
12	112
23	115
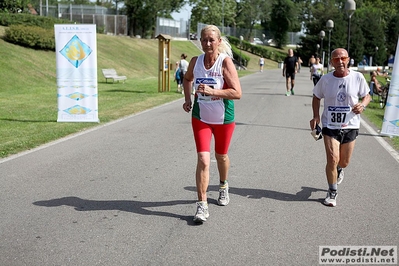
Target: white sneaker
331	199
202	212
340	176
224	198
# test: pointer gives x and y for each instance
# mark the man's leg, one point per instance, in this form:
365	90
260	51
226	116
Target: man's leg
292	85
332	147
346	151
332	155
287	85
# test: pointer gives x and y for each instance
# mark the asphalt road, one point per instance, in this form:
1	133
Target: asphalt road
124	193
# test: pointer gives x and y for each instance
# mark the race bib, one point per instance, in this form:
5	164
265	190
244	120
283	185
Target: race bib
211	82
339	116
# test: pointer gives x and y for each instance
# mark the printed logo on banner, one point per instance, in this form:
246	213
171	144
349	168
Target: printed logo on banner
77	110
77	96
76	51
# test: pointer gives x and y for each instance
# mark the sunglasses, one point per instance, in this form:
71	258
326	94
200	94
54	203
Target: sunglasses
338	59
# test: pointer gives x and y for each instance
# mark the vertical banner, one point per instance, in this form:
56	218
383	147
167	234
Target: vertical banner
76	62
390	123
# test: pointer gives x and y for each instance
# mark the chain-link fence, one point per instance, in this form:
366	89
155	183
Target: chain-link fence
105	20
179	29
264	36
174	28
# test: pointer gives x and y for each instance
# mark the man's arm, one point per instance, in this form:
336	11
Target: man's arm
316	112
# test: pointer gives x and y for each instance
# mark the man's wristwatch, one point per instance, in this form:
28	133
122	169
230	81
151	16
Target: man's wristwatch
364	107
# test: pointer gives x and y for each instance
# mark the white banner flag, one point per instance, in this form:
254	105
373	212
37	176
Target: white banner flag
76	62
390	123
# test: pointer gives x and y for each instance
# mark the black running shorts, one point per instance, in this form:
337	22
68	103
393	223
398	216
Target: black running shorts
342	135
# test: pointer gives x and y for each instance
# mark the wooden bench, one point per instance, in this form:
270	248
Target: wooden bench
111	74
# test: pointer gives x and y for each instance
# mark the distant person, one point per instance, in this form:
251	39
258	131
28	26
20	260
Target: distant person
289	70
183	64
346	95
375	83
316	71
216	84
351	62
299	64
183	68
261	63
312	60
178	78
379	73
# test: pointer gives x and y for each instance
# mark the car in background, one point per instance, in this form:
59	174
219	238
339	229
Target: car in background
256	41
270	42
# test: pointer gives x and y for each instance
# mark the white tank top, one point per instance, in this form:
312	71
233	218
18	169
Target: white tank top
211	109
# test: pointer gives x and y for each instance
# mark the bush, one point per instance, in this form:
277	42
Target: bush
259	50
7	19
31	36
240	56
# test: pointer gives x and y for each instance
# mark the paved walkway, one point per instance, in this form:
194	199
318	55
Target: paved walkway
124	193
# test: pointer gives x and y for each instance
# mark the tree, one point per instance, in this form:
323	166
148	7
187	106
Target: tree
392	30
222	12
13	6
283	19
250	14
142	14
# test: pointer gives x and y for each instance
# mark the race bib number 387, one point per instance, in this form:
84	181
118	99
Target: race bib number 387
339	116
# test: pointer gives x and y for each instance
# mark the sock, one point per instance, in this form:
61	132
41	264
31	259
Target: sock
223	183
333	187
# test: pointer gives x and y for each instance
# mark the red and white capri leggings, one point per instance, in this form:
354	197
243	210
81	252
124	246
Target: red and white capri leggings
203	136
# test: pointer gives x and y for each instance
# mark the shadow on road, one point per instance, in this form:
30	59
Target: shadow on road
139	207
252	193
133	206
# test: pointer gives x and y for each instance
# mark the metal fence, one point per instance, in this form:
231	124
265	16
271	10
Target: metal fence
174	28
179	29
105	19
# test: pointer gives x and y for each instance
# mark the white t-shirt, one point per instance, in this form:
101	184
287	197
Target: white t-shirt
183	65
340	95
317	69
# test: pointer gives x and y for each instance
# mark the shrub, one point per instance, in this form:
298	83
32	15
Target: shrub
7	19
31	36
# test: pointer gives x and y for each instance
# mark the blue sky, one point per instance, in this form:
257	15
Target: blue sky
184	13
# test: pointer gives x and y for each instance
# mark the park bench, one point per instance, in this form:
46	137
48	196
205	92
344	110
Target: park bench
110	73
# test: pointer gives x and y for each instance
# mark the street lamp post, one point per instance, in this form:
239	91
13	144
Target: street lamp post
375	56
322	34
330	26
350	7
222	16
241	39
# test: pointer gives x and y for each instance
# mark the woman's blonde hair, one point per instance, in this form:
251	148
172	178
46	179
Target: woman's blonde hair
224	46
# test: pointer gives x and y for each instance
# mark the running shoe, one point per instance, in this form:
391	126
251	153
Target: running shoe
292	92
331	199
202	212
224	198
287	93
340	175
